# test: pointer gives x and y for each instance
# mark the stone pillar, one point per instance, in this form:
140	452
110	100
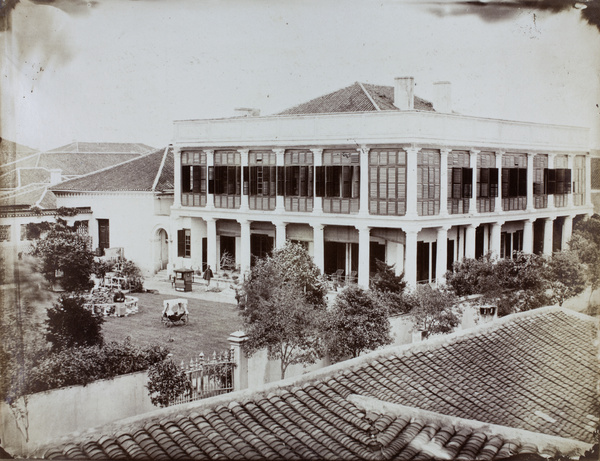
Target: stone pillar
528	236
364	242
411	182
470	241
240	371
363	152
486	238
211	243
548	230
210	162
550	167
587	186
530	201
410	258
496	239
473	164
498	201
318	161
244	198
444	182
245	245
280	236
319	246
567	232
442	255
196	242
177	177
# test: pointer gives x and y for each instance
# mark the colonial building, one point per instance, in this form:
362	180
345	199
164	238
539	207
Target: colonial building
372	172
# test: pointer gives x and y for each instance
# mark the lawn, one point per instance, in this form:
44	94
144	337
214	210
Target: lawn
210	324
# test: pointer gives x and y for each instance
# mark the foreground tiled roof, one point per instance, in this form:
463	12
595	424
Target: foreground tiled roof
523	385
358	97
139	174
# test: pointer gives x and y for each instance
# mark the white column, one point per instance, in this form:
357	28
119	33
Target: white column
177	177
244	198
548	231
363	152
364	241
411	183
498	201
528	236
470	241
245	245
318	161
567	232
444	182
196	242
550	167
319	246
399	266
486	238
280	236
240	371
530	202
473	164
588	180
210	198
570	163
410	260
442	255
496	240
211	243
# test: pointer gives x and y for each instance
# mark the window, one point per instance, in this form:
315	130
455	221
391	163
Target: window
184	243
387	182
428	183
462	182
339	181
557	181
488	183
5	233
342	181
510	243
514	182
299	181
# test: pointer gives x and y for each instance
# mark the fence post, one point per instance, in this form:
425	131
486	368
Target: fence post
240	371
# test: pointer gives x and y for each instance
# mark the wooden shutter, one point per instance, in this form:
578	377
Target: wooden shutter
356	181
196	179
211	179
483	186
568	181
513	182
320	181
310	180
181	243
247	181
522	191
560	181
202	179
494	182
550	180
185	178
280	180
346	184
456	182
467	182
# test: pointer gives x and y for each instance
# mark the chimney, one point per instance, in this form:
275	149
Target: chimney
247	112
55	176
404	93
443	97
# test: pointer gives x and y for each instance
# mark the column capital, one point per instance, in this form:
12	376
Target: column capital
363	149
412	229
279	223
243	151
279	151
444	228
550	218
362	227
529	220
445	150
209	219
412	150
317	151
243	221
318	226
531	154
474	151
498	223
208	151
176	149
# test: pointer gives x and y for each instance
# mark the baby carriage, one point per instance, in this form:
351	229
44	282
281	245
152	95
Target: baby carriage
175	311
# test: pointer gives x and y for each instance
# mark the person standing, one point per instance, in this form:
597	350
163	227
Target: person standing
208	274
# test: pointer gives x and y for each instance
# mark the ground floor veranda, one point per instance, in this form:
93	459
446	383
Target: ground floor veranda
348	253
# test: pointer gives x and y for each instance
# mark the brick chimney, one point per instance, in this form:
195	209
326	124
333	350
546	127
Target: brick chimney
404	93
443	97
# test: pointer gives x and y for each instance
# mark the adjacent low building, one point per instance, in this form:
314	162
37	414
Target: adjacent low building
372	172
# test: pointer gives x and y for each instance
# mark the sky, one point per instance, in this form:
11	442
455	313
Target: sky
124	70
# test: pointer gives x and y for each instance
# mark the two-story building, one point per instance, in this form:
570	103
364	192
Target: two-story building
372	172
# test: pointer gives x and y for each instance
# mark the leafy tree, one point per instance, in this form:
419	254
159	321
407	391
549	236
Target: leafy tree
566	276
166	382
586	244
433	310
69	324
471	276
386	280
62	249
285	301
356	323
133	275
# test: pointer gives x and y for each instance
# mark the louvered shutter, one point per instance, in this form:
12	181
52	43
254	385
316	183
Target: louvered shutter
181	243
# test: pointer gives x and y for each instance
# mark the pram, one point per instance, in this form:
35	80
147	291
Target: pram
175	311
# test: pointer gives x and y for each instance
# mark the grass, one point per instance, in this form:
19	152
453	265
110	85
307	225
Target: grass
210	324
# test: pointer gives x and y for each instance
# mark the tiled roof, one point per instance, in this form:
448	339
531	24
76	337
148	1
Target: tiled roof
79	164
358	97
103	148
138	174
32	195
523	385
11	151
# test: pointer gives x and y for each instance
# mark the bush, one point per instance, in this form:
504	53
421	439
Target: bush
134	276
69	324
386	280
166	382
82	365
433	310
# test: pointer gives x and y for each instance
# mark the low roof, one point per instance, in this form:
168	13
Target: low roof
150	172
31	195
103	148
524	384
12	152
358	97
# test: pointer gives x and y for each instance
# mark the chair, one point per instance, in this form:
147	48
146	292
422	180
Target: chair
175	311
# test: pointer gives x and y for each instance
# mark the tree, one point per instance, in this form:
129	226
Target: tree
471	276
586	244
433	311
356	323
565	275
63	250
69	324
388	289
285	302
166	382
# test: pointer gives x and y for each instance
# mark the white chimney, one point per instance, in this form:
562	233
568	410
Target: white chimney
404	93
55	176
247	112
443	97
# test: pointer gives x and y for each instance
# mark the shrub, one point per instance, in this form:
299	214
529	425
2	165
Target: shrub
433	311
69	324
386	280
166	382
133	275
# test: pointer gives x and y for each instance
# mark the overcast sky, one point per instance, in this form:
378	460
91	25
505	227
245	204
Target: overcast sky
123	70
